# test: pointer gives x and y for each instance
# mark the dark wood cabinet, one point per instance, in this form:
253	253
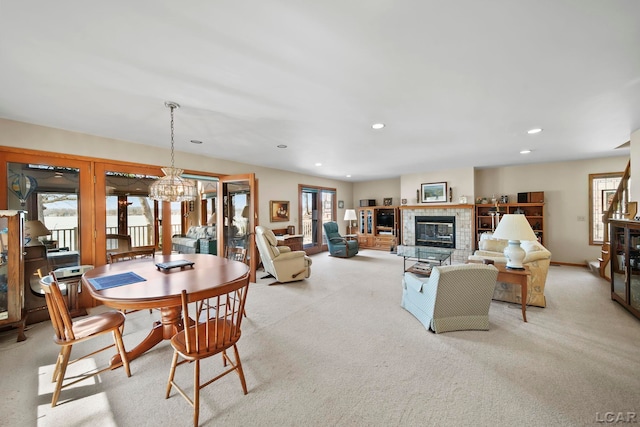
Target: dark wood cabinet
378	227
12	271
35	266
625	264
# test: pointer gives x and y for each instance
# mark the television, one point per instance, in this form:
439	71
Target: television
385	219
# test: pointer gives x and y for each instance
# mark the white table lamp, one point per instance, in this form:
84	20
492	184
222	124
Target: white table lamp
514	228
350	215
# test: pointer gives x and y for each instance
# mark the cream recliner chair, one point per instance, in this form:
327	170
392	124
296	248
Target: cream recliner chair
280	261
537	258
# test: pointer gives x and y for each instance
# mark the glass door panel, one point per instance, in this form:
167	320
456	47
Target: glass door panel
122	193
236	213
317	206
309	218
129	210
328	210
49	194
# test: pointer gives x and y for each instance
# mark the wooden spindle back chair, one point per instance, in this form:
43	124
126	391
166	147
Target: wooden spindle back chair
69	332
215	330
113	257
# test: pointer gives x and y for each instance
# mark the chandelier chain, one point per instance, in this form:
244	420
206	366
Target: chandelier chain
172	156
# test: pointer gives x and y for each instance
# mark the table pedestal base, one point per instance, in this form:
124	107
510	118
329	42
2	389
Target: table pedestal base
169	325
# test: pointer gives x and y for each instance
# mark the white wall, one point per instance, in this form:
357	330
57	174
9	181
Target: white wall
461	181
634	193
378	190
566	191
273	184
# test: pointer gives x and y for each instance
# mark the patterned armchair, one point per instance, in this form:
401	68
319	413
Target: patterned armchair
453	298
537	258
338	245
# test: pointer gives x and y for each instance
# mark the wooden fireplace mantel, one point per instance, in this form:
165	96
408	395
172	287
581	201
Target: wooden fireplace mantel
437	206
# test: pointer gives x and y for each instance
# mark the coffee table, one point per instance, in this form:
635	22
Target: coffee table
423	255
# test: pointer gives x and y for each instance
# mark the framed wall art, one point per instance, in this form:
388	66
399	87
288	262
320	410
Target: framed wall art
279	210
433	192
340	204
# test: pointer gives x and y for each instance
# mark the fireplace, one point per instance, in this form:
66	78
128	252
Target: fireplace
438	231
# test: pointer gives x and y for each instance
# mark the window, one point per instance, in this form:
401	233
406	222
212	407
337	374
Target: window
600	186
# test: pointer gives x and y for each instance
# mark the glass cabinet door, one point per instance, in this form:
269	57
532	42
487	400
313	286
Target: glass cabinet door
634	268
11	274
618	261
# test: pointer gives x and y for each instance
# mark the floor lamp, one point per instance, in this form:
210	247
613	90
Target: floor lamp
350	215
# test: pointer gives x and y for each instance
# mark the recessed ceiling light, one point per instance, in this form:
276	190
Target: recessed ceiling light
318	164
348	176
534	131
377	126
525	151
282	146
195	141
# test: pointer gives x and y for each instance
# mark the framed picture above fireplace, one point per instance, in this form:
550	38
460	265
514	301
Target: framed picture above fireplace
433	192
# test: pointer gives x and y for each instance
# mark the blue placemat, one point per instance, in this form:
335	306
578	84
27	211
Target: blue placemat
115	280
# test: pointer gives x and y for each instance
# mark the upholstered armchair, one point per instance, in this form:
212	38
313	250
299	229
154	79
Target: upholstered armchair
280	261
537	258
452	298
338	245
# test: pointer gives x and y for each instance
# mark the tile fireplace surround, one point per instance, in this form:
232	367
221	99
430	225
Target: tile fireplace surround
464	223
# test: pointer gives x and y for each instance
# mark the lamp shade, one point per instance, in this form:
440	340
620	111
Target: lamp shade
514	227
350	215
34	229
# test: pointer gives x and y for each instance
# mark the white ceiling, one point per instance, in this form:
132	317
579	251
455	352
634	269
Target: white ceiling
458	83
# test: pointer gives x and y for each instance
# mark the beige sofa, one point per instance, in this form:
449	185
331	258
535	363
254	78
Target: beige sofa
537	258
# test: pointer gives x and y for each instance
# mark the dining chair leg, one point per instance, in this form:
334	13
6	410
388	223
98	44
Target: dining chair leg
117	336
172	372
196	393
65	352
239	369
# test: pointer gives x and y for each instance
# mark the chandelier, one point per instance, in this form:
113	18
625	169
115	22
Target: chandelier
172	187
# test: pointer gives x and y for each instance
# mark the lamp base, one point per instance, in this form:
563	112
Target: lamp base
515	255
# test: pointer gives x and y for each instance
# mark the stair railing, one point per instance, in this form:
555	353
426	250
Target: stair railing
618	209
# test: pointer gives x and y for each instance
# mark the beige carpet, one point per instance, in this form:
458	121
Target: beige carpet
338	350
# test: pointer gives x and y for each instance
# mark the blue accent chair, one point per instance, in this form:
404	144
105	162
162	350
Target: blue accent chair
338	245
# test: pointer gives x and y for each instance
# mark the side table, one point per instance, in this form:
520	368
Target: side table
516	277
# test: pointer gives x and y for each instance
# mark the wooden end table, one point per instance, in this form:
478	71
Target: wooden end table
516	277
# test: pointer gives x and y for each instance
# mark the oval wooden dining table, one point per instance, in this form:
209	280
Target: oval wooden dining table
159	289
